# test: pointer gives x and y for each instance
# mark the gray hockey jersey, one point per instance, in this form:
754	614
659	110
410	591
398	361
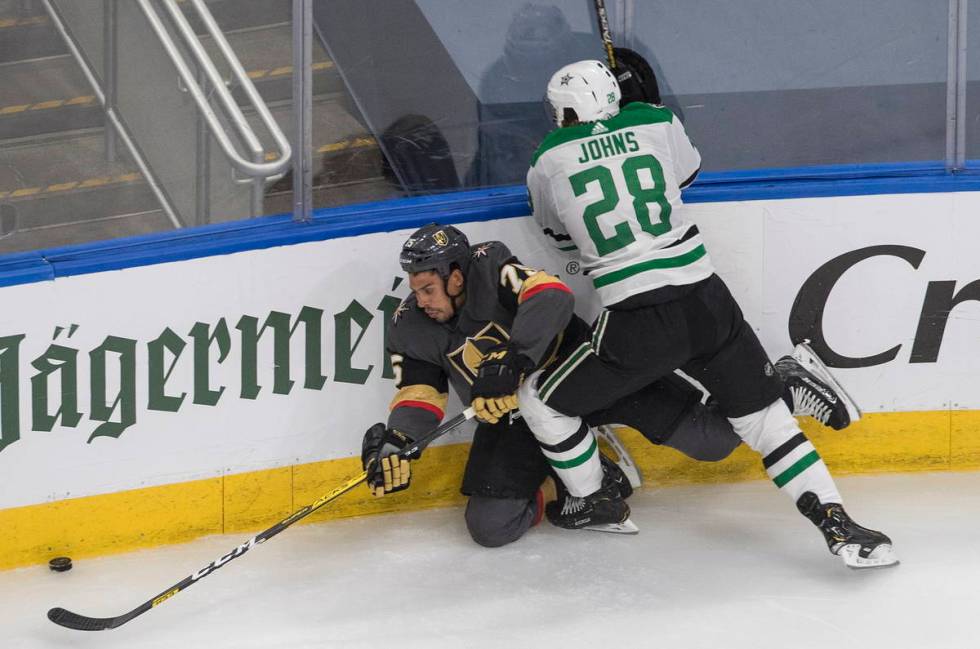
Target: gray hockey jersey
505	302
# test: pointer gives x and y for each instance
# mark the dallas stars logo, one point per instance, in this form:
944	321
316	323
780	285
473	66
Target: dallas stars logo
565	79
481	250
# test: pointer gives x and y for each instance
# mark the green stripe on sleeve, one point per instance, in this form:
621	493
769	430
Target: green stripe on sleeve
651	264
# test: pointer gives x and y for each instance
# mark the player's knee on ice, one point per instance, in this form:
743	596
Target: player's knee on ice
493	522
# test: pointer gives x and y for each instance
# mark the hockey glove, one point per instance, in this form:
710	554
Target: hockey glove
637	81
500	374
386	471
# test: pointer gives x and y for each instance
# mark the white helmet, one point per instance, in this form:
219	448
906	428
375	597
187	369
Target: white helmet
588	88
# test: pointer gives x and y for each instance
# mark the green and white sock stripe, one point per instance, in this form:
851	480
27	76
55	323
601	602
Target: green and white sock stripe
575	451
599	331
792	458
574	359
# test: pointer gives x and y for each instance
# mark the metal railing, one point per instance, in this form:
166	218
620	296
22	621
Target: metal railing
113	118
198	76
256	168
956	79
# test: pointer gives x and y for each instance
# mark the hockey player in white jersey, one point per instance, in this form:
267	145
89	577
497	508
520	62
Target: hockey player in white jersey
469	303
607	185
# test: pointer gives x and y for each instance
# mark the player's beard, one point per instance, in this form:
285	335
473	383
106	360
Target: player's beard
439	315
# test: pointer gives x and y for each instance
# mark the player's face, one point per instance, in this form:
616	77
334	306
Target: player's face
430	293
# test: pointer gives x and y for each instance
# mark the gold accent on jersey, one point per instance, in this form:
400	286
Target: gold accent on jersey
467	357
537	279
420	392
514	275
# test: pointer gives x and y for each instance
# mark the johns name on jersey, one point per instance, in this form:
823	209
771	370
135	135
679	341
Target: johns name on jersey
608	146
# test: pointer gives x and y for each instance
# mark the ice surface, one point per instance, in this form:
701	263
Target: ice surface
717	566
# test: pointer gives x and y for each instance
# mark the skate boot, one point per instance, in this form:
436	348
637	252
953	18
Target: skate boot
615	473
857	546
613	448
814	390
602	511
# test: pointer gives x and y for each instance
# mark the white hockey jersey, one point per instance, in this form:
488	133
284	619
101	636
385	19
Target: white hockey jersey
611	190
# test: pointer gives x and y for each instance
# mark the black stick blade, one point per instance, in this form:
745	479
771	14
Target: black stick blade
78	622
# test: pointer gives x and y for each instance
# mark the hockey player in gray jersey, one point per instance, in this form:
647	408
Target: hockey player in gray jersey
479	320
607	185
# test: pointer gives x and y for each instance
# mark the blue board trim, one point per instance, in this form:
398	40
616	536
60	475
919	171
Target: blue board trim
460	207
835	180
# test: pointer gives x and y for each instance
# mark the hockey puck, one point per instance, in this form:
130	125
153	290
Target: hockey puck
60	564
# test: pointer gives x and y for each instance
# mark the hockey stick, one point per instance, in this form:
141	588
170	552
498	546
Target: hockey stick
606	36
84	623
633	72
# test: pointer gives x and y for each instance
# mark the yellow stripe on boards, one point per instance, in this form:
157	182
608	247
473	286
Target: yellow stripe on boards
240	503
435	483
109	523
964	443
880	442
249	502
253	499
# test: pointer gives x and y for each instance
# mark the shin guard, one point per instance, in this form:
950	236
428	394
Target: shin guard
568	443
790	459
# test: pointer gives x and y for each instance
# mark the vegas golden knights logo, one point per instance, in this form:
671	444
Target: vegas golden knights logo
440	238
467	357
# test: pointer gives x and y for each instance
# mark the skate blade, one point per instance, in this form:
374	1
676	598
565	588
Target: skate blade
607	437
626	527
808	358
882	556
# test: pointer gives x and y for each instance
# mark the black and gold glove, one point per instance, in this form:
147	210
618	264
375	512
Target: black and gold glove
387	472
494	391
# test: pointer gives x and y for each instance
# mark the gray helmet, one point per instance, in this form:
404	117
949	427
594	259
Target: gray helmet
435	247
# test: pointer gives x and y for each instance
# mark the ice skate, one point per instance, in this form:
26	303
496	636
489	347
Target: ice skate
814	389
615	473
603	511
611	446
857	546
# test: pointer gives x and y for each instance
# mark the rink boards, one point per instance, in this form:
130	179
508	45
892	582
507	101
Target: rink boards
157	403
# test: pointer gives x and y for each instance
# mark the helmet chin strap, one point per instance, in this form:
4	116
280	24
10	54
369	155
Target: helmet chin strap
457	300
